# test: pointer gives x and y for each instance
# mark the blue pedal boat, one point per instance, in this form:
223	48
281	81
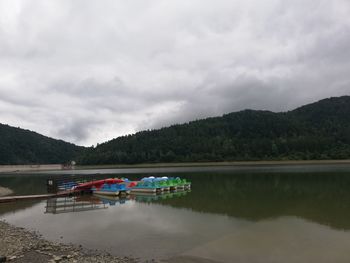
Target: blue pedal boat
111	189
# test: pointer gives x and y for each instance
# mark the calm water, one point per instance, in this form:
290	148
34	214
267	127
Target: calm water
287	214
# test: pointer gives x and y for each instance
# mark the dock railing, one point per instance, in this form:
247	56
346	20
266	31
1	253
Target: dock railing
61	183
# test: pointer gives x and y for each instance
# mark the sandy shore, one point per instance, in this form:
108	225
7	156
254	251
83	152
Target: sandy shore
19	245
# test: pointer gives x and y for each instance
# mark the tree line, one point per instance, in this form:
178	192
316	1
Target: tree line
19	146
316	131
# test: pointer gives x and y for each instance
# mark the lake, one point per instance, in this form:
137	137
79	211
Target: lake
232	214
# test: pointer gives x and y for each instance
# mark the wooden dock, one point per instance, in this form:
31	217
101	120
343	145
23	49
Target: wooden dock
14	198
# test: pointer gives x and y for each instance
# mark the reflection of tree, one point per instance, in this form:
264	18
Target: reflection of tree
23	184
321	197
14	206
324	198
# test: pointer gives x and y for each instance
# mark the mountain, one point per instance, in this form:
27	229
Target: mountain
19	146
319	130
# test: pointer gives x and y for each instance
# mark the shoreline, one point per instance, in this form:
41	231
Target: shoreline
210	164
20	245
4	168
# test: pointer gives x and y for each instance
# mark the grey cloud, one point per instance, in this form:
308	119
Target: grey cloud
88	72
90	88
77	130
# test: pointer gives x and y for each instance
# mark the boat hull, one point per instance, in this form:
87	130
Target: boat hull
146	190
112	193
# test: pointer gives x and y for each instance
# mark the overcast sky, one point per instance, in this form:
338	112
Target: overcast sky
89	71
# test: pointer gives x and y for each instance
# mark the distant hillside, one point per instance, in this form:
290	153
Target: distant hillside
18	146
319	130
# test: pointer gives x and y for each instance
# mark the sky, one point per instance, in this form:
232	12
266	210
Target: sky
87	71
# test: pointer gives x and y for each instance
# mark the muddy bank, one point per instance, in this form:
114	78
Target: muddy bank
5	191
19	245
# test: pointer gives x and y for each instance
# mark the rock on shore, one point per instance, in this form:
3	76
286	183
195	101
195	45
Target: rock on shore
19	245
5	191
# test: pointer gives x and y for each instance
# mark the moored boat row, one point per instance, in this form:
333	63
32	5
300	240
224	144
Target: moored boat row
160	184
116	186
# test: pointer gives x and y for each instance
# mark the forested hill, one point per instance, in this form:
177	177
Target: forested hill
319	130
19	146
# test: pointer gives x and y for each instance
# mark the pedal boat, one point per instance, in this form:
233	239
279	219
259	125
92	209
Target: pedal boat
147	186
111	189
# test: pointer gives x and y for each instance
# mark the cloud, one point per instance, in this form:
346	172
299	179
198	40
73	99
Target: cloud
87	72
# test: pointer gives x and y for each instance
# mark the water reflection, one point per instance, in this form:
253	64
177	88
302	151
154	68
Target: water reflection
227	217
112	200
321	197
83	203
73	204
151	197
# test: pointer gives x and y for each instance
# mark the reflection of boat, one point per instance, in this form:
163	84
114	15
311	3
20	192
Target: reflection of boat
82	203
140	196
93	202
88	198
148	197
112	200
111	189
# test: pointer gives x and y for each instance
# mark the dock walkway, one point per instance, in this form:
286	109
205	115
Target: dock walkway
14	198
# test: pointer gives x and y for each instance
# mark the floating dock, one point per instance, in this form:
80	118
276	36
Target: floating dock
14	198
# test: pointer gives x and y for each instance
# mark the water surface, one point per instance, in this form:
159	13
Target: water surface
299	214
